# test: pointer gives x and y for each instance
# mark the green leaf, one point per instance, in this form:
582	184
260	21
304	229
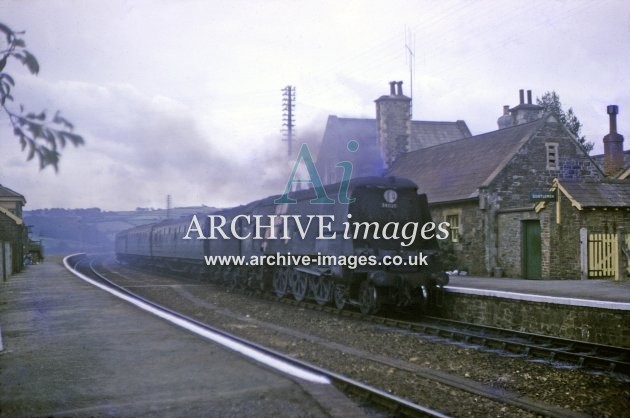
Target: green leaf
63	121
7	31
49	136
31	154
31	62
27	59
8	78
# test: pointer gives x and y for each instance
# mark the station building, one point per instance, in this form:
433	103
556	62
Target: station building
13	232
523	201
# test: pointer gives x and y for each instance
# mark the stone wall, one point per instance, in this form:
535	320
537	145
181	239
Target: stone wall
564	237
393	121
16	236
528	171
510	237
595	325
470	247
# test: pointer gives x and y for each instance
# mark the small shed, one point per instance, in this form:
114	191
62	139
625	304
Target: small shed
588	226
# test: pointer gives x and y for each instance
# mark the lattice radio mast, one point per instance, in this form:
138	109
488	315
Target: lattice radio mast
288	115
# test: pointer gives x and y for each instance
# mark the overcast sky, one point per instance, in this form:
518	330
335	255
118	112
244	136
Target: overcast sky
184	97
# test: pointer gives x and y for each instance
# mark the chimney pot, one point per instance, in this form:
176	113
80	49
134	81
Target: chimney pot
612	111
506	110
392	88
399	86
521	95
529	97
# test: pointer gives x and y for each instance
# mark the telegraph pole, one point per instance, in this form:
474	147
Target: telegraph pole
410	47
288	122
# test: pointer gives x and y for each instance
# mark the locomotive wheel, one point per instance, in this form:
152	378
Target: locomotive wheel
368	298
226	273
299	285
323	290
424	305
252	280
340	296
280	282
231	279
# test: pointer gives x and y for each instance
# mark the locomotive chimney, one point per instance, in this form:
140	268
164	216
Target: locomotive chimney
613	145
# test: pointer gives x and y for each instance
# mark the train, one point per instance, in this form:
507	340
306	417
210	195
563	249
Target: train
375	247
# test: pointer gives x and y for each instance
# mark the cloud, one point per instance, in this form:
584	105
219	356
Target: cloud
139	148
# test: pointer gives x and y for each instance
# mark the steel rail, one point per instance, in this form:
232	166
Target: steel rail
583	354
399	406
464	384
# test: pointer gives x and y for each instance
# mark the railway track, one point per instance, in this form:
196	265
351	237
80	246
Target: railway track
585	355
591	356
388	363
370	395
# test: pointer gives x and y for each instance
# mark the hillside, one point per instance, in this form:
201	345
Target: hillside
63	231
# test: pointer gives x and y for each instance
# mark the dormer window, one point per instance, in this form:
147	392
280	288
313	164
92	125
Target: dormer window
553	159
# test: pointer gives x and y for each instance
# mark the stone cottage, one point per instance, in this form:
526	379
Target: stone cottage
588	223
492	187
497	190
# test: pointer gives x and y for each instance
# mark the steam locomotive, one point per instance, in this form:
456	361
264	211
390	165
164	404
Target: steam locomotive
379	249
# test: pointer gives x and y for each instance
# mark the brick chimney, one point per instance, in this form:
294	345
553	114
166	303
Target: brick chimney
613	145
393	123
505	120
523	113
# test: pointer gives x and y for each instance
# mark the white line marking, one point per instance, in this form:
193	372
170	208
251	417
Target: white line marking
250	352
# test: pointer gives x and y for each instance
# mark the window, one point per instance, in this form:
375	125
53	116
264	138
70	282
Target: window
453	221
552	156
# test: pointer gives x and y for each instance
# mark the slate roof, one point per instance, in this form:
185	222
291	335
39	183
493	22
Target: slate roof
599	159
429	133
455	170
367	160
609	194
8	194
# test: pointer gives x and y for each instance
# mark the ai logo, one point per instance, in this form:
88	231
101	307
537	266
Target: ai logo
322	198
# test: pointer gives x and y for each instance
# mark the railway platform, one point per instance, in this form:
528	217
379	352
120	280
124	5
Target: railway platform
595	293
595	311
70	349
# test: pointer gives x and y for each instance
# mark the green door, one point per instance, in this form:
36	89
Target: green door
532	257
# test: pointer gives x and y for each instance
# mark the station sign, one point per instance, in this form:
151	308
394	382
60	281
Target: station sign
542	196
